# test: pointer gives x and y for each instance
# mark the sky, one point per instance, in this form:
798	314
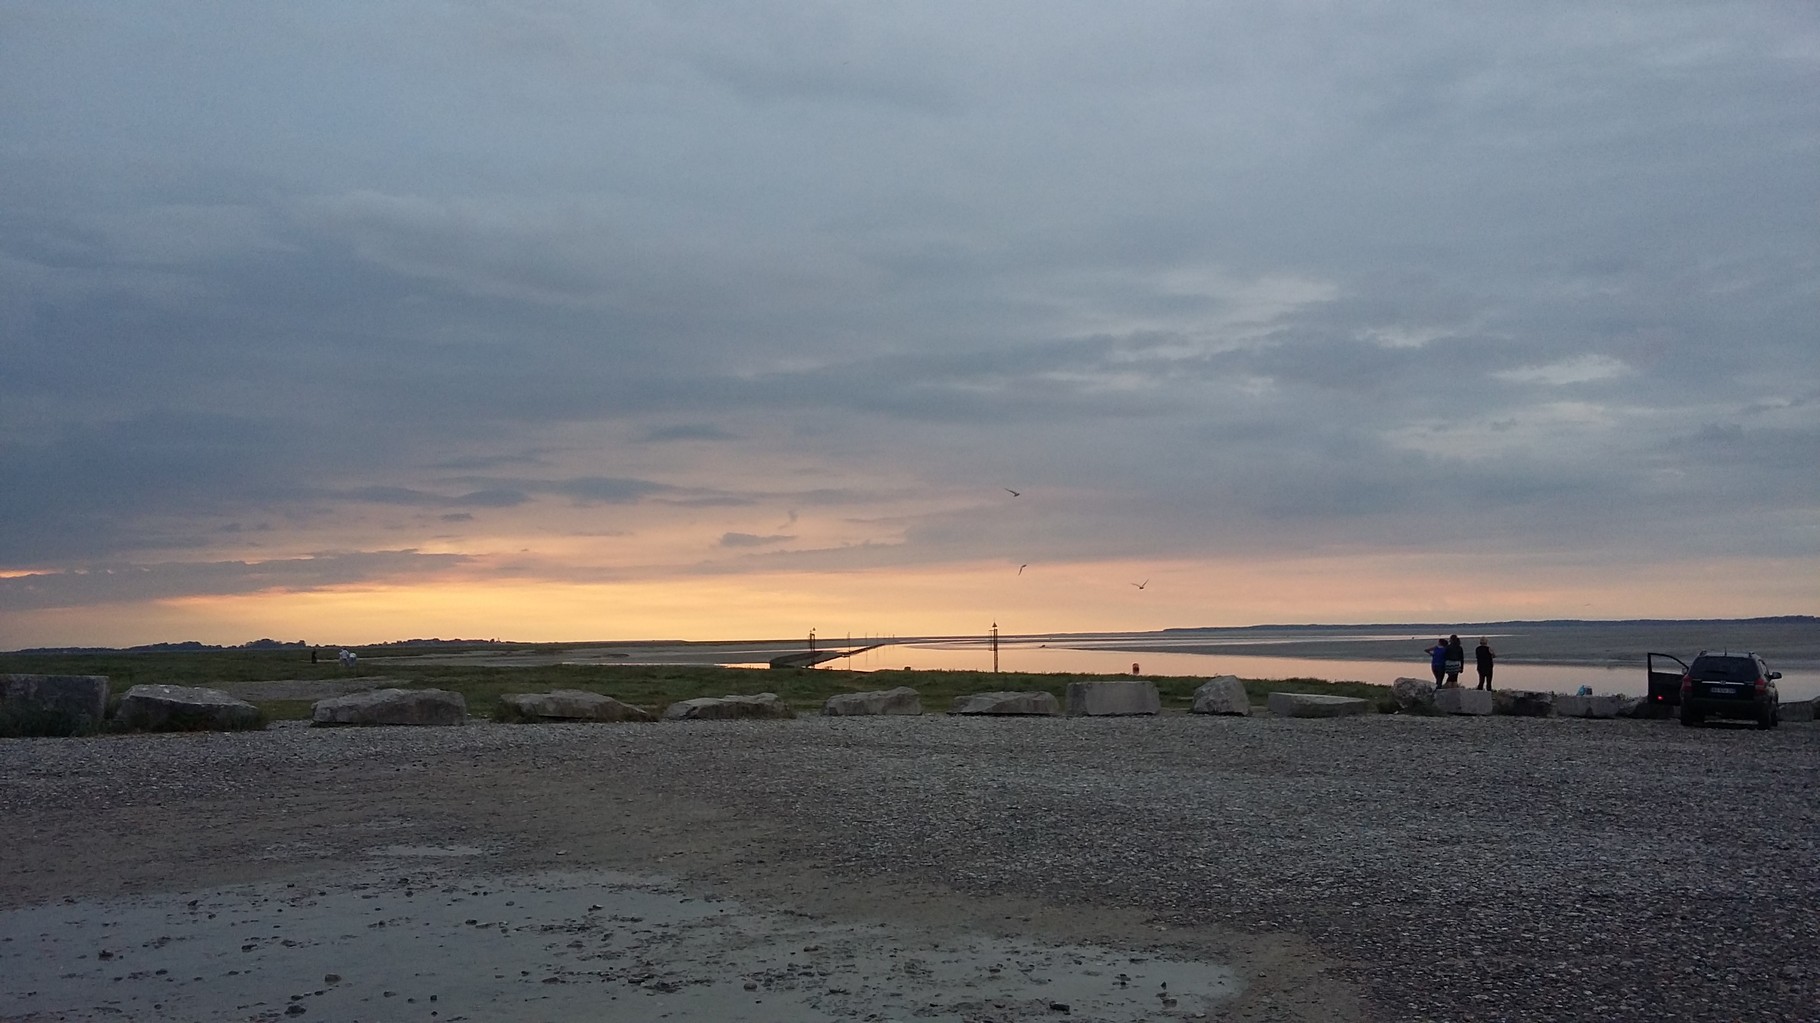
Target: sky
350	322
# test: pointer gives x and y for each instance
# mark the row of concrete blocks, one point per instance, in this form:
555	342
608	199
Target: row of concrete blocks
1224	695
175	707
78	704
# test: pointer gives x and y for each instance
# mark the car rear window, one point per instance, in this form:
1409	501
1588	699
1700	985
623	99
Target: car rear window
1724	669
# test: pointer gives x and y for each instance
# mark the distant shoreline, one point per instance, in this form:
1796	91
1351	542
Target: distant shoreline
1789	640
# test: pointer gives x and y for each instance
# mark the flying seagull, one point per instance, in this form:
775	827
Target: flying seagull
1020	568
1013	493
1142	584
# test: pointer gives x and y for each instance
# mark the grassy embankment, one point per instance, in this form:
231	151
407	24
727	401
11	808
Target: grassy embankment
652	687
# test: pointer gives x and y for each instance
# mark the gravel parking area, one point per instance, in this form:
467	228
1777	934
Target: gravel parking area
1378	868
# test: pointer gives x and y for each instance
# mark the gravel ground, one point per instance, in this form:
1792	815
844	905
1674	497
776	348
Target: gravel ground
1381	868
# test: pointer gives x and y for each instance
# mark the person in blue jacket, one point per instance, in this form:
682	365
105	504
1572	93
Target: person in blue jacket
1437	659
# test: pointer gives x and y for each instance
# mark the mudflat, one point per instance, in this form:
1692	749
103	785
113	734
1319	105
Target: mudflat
1374	868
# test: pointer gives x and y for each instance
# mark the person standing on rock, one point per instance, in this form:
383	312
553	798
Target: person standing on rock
1485	655
1437	659
1456	661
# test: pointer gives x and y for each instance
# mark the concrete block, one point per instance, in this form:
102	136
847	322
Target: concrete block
1312	705
738	707
52	704
1463	701
1113	699
1590	706
1037	703
1518	703
902	700
392	707
164	708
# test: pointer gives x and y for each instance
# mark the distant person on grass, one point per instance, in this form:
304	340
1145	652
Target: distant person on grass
1486	655
1437	659
1456	661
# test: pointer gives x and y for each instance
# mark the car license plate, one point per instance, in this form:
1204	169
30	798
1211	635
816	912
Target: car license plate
1722	691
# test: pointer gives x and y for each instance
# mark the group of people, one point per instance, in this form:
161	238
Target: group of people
348	659
1448	658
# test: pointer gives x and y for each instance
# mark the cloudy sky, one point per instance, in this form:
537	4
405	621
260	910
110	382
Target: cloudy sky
353	321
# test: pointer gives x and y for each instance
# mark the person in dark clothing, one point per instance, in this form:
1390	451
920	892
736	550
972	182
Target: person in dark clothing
1437	659
1456	661
1486	655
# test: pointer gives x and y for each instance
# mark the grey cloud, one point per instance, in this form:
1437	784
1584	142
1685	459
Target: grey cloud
606	490
687	431
122	583
752	539
711	501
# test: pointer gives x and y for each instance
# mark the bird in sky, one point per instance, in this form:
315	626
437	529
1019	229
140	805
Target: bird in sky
1020	568
1142	584
1013	493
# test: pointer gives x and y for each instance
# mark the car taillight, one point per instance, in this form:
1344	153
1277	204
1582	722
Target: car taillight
1762	684
1687	682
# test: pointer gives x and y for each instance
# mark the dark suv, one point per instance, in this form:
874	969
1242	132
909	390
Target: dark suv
1728	685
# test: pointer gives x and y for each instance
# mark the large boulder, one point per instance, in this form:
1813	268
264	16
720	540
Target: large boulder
1518	703
159	708
1316	705
1414	695
566	705
1223	694
1462	701
902	700
722	708
1113	699
52	704
392	707
1036	703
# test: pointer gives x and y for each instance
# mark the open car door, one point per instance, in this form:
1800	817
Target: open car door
1664	682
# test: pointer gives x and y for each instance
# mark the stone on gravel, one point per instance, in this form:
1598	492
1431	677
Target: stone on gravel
1414	695
724	708
1113	699
1517	703
1316	705
1036	703
1652	710
392	707
1222	694
566	705
901	700
1609	706
1462	701
52	704
161	708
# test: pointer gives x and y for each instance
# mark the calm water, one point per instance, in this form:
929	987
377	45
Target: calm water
968	655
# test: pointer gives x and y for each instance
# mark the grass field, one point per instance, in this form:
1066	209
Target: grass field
651	686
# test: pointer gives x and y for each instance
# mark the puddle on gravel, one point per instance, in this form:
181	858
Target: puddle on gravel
555	947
